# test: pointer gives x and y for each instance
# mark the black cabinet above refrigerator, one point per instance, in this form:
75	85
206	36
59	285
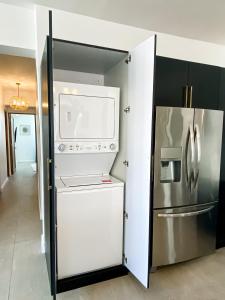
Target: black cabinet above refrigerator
171	77
204	81
182	83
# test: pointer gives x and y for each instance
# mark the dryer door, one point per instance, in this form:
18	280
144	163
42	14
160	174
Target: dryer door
86	117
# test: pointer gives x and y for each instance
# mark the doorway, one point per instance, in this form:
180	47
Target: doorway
21	141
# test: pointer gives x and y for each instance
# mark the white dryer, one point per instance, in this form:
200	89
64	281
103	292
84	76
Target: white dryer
86	122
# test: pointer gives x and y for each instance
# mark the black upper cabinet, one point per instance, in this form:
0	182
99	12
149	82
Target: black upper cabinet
170	80
222	90
205	82
182	83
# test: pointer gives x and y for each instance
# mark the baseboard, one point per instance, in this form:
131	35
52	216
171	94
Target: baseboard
4	183
220	244
79	281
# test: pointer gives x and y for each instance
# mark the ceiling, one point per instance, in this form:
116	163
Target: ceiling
197	19
17	69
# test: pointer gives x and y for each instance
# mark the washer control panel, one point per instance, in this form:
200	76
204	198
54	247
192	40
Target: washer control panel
84	147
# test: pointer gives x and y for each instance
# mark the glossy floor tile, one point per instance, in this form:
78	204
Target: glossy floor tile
21	261
29	277
6	259
23	273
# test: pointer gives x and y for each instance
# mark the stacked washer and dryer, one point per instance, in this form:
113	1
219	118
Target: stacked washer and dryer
89	199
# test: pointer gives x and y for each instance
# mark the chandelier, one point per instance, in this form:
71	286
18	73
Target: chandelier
17	102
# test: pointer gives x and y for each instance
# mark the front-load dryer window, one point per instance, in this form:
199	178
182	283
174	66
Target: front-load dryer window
86	117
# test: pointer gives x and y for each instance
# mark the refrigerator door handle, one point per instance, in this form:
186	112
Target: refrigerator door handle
191	96
192	144
188	214
186	95
190	139
198	142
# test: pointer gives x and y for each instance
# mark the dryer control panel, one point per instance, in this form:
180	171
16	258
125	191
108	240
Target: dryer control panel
84	147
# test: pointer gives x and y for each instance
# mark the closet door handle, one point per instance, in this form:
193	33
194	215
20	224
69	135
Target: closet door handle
190	96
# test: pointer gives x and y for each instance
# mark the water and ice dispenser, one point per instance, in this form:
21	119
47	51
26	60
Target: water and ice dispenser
170	165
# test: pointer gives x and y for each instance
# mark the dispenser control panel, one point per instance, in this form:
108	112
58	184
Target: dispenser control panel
84	147
170	164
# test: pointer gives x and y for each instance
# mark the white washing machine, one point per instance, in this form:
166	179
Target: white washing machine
89	200
90	224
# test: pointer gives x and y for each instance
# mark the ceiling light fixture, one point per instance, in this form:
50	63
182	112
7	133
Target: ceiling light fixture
17	102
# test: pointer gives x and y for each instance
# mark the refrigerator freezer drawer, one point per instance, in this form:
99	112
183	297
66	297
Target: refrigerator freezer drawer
182	234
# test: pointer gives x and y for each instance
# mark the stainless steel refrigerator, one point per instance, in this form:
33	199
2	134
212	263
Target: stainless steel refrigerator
186	183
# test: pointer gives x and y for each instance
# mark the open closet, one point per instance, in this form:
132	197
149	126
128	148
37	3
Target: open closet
112	91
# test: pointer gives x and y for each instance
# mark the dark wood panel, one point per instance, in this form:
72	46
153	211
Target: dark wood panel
220	234
205	82
78	281
45	134
48	164
220	239
170	80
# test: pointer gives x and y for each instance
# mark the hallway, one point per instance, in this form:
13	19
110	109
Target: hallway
21	262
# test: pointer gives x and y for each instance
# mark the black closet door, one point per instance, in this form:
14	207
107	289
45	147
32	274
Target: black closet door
220	237
205	82
48	160
170	81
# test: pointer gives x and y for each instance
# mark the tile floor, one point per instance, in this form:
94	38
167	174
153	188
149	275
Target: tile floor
23	274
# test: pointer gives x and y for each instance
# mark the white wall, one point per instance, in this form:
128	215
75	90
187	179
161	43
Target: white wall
25	144
191	50
3	157
74	27
17	27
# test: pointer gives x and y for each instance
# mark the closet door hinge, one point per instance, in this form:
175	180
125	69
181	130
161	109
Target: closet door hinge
126	163
49	162
127	109
125	215
124	258
128	60
152	167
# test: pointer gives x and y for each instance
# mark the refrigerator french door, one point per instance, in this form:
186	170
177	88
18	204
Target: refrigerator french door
186	183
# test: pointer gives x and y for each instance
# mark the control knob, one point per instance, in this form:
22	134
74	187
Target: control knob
62	147
112	147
